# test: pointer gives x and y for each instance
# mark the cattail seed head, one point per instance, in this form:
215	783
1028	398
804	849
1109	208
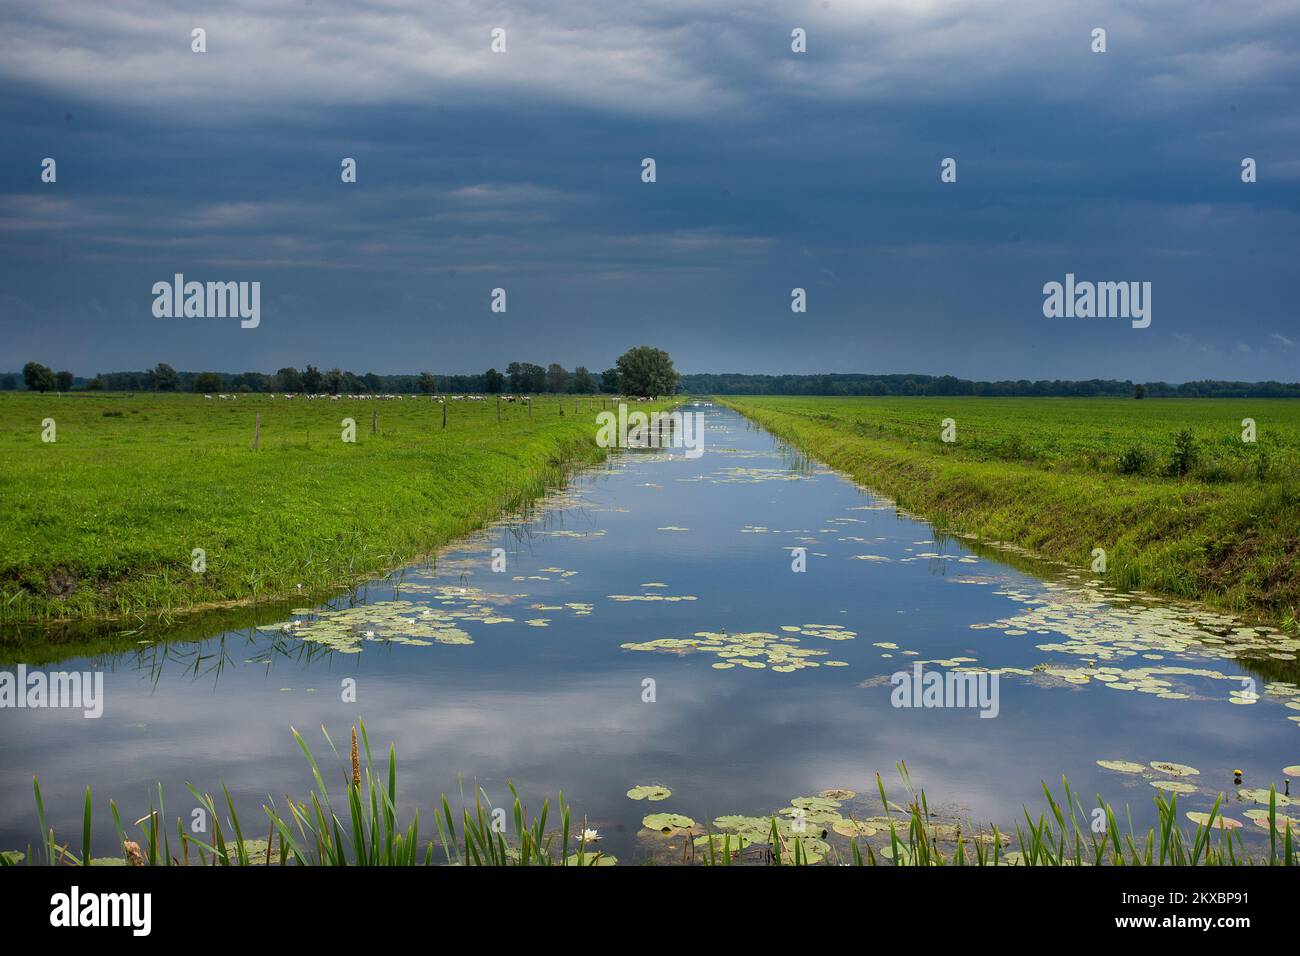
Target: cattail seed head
356	761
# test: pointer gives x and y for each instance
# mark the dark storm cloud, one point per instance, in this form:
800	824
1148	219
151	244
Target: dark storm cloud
775	170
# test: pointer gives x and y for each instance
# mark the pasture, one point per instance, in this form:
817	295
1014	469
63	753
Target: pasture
105	520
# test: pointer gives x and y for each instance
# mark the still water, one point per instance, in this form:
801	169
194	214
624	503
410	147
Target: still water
542	673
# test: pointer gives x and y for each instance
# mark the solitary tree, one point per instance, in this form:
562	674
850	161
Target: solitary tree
646	371
426	383
38	377
64	381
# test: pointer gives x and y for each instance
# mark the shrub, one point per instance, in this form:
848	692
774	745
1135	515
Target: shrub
1263	464
1184	454
1134	460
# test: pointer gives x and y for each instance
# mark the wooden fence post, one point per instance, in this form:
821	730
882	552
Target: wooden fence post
444	411
257	431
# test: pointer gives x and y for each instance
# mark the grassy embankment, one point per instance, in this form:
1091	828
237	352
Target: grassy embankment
1219	522
103	522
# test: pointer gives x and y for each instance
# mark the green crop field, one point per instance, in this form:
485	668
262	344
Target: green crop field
104	520
1168	488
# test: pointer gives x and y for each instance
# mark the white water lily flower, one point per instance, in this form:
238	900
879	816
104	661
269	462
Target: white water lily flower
589	836
370	633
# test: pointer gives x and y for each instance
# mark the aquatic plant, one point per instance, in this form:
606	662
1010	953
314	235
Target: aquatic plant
313	832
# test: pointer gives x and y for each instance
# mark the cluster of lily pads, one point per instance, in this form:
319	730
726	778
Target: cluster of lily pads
805	830
399	621
1176	778
754	475
1103	627
754	649
439	620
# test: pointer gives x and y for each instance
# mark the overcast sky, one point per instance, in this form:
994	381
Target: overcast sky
775	170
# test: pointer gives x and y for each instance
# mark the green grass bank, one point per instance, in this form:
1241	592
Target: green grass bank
103	522
1208	517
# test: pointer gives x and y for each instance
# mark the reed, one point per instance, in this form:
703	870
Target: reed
364	830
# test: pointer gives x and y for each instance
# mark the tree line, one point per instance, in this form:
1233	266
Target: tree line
889	385
639	371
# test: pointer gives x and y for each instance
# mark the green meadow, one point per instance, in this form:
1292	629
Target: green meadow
1179	502
103	522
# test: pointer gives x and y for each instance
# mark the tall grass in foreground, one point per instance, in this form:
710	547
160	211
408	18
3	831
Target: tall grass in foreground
311	832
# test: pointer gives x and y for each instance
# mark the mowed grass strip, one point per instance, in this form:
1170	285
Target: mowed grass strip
103	521
1047	474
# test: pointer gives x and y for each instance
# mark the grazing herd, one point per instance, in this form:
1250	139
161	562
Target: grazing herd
390	398
381	398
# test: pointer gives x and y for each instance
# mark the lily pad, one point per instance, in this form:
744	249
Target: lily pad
1174	769
652	791
591	859
1261	795
1260	819
1220	822
667	822
904	854
815	804
1123	766
1173	786
743	824
256	850
854	828
811	850
721	842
